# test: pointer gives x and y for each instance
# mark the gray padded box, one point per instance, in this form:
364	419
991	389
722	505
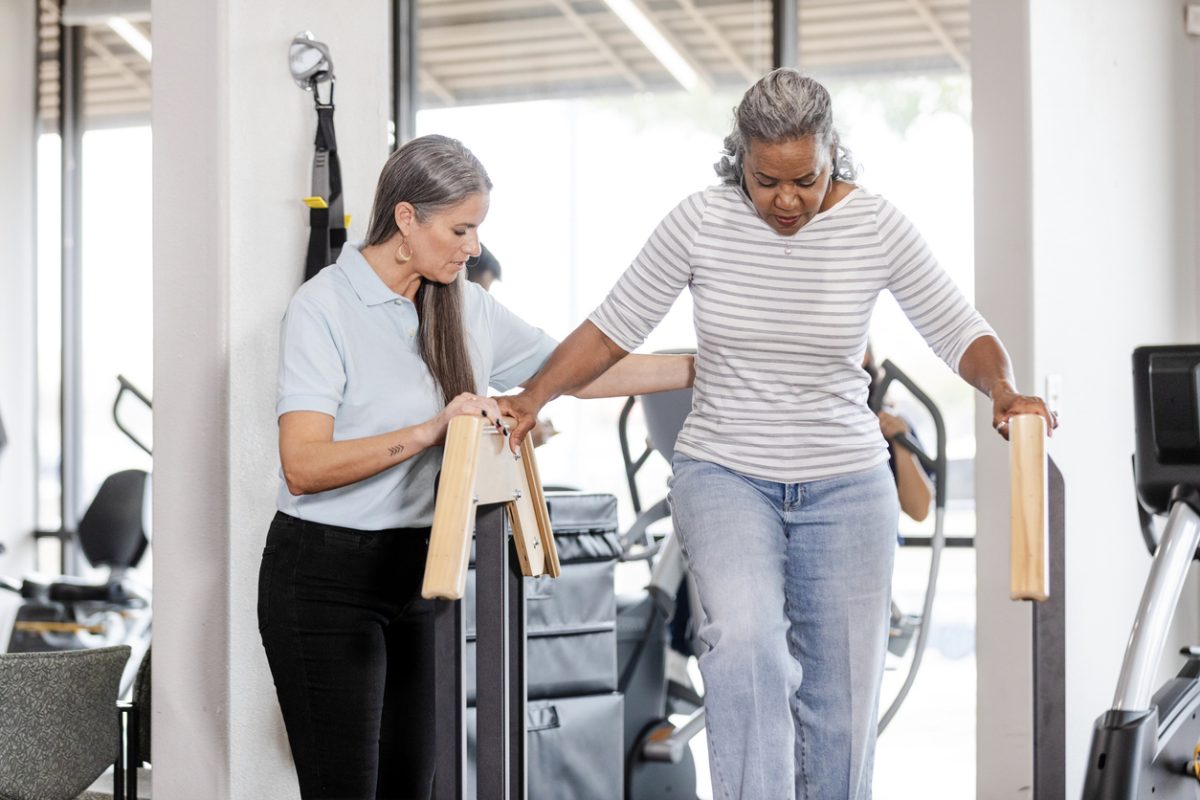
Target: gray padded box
571	621
575	748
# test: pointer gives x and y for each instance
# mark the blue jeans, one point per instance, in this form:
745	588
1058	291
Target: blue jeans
794	581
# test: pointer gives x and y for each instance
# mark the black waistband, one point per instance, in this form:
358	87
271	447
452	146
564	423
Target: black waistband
288	519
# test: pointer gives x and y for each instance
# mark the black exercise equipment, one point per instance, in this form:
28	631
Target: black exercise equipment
904	625
56	612
1148	746
658	757
70	613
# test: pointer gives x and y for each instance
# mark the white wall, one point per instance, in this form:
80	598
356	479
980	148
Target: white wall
18	276
1105	177
233	150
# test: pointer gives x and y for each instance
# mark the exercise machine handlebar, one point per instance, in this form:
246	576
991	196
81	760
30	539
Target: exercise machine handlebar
127	387
938	465
1168	572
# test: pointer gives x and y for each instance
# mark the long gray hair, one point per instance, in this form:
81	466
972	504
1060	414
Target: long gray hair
783	105
433	173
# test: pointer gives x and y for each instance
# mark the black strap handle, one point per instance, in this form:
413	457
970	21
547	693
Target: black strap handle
327	226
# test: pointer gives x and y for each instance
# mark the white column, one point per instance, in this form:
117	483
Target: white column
18	282
1086	201
233	149
1004	289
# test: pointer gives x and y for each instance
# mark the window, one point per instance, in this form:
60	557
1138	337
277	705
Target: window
590	139
112	313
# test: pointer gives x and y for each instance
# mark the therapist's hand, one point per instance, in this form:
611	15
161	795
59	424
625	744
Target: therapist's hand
524	408
465	404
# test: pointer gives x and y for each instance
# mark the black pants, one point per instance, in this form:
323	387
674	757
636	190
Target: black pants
350	644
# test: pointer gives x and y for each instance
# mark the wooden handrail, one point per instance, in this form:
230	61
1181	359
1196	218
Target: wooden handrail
479	469
1029	572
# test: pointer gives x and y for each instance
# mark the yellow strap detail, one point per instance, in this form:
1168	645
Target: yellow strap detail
316	202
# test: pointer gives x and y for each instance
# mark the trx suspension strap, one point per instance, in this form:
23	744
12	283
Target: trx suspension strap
326	221
311	65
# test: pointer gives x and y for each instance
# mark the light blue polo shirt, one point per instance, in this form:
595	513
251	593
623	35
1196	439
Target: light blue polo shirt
348	348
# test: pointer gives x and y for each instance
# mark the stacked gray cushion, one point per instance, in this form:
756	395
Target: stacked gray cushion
58	721
574	712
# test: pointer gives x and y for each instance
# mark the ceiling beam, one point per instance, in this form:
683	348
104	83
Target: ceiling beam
719	40
136	81
590	34
434	85
98	12
463	8
637	15
940	33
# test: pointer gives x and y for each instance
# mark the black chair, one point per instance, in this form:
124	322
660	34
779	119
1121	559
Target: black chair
67	613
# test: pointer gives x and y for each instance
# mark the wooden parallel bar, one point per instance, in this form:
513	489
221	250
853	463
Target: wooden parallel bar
454	514
538	497
478	468
1030	578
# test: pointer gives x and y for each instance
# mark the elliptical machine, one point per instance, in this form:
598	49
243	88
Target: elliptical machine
1149	746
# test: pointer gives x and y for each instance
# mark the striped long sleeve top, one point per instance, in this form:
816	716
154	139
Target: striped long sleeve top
781	326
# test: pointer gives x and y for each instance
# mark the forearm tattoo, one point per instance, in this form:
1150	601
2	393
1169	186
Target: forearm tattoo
395	450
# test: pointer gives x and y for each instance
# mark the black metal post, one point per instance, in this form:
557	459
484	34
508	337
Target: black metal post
785	33
500	687
517	685
492	655
133	752
450	701
1049	656
119	765
405	68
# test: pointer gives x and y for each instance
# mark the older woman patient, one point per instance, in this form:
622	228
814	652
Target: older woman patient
781	495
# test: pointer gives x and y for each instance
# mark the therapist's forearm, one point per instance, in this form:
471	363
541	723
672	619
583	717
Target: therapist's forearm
582	357
642	374
317	466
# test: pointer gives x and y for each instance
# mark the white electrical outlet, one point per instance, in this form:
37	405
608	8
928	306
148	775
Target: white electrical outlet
1192	19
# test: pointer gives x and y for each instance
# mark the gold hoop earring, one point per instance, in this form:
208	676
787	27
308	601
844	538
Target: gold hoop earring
400	256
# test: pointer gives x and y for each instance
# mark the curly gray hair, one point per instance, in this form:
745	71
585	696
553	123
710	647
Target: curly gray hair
783	105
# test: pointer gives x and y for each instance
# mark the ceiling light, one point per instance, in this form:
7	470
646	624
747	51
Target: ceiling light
634	17
132	35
